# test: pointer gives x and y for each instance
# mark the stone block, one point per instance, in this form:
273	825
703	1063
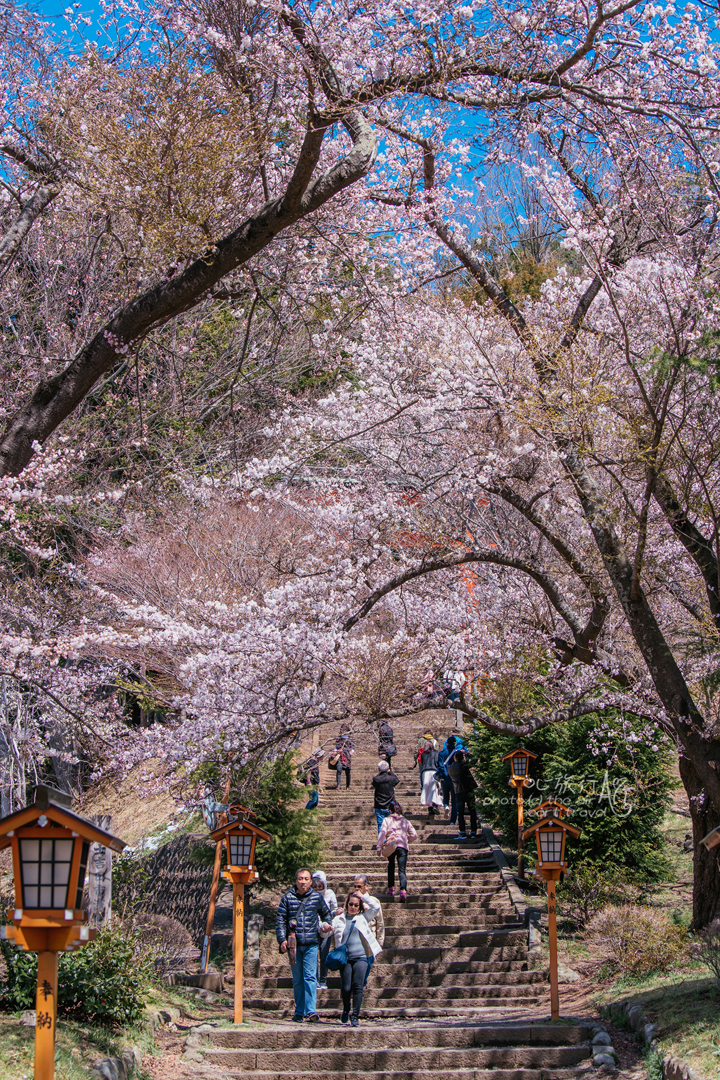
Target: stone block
602	1039
255	926
192	1056
604	1059
208	980
28	1018
634	1016
649	1032
567	975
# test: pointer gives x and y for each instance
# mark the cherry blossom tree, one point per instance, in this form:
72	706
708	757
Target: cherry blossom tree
496	483
313	84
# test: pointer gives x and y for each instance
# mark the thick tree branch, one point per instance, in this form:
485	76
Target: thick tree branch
447	562
698	547
56	397
31	211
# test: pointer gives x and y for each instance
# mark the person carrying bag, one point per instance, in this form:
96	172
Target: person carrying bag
393	842
355	950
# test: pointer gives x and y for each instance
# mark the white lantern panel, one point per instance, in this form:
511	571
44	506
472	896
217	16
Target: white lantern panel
45	872
240	849
520	765
64	850
551	844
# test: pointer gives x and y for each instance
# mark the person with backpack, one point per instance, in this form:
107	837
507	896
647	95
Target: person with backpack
311	768
430	795
393	842
464	784
448	791
344	750
383	784
361	947
297	932
386	744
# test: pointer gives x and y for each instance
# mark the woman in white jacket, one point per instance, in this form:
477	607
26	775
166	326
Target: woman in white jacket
352	930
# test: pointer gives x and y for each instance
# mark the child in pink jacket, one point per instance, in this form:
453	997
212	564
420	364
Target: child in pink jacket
396	830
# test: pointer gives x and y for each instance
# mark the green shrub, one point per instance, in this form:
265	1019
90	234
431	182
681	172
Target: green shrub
296	837
105	981
617	795
654	1064
636	940
588	889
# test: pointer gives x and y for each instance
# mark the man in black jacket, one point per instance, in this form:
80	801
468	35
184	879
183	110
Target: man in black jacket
296	928
384	783
463	781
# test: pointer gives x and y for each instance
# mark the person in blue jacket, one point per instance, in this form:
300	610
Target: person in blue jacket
296	928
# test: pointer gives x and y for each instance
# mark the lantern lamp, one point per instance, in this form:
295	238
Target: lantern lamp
519	767
50	847
550	833
519	764
239	835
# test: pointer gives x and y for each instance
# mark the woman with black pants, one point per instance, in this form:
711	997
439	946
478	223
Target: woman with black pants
395	835
351	929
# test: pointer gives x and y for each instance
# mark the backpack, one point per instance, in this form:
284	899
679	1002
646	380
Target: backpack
385	733
388	749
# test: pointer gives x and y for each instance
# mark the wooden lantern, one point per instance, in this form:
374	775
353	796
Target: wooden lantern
239	836
50	847
519	764
551	833
519	776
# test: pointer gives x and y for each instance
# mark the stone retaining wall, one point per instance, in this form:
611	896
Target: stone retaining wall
673	1068
179	876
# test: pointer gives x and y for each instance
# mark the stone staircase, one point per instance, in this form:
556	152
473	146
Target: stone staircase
451	993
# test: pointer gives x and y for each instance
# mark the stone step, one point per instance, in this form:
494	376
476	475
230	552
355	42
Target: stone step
426	970
402	939
461	874
284	1037
477	920
414	1009
399	979
425	1059
423	893
460	1074
417	961
382	993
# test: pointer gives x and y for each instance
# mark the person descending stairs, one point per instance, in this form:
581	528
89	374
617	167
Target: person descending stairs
450	993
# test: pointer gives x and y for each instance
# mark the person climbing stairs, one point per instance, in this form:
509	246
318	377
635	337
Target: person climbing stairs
451	993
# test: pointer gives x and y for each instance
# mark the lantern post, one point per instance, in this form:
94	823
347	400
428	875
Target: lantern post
50	847
519	776
239	835
550	833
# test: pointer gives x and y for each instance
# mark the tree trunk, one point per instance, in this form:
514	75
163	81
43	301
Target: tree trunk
706	864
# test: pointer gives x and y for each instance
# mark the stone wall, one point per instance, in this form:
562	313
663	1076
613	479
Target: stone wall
177	880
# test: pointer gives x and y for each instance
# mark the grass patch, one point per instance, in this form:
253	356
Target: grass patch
78	1047
687	1012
